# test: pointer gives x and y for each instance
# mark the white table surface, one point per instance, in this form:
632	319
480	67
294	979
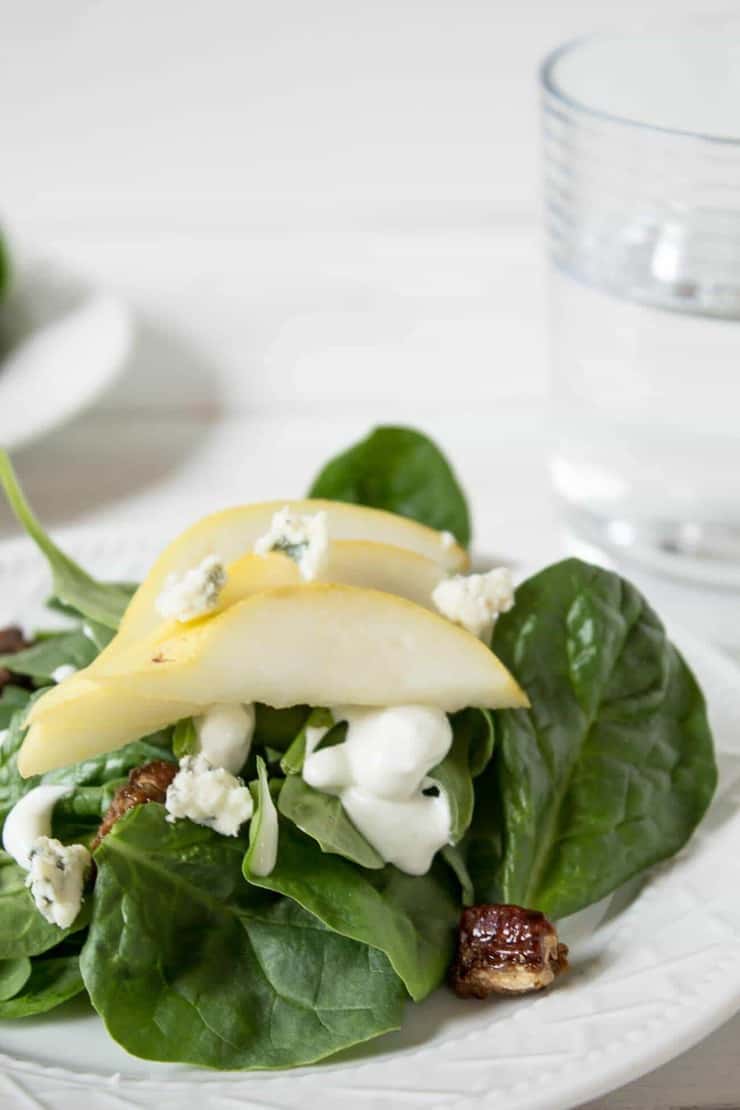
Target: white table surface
325	215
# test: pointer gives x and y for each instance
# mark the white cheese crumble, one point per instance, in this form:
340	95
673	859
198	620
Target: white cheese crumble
225	735
380	772
447	540
209	796
475	600
56	877
29	820
188	596
305	539
65	671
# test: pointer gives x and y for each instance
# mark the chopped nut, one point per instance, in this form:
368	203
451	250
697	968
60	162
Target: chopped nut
505	950
147	783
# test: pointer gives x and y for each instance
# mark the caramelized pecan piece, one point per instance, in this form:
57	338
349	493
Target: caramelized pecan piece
147	783
505	950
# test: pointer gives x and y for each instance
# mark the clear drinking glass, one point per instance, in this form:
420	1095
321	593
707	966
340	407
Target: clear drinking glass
642	200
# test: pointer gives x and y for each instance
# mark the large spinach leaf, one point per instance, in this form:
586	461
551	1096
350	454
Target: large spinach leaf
51	982
611	768
185	961
410	919
104	602
23	931
401	470
323	818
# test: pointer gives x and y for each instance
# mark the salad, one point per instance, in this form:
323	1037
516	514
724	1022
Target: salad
312	768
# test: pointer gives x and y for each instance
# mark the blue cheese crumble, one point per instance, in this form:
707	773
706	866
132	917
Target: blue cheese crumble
303	538
475	600
190	595
209	796
56	879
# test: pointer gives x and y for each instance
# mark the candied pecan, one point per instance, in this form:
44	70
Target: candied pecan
505	950
12	641
147	783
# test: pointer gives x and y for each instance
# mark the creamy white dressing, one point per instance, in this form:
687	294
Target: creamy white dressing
379	773
29	819
65	671
225	734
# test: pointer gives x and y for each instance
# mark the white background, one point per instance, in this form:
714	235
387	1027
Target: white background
324	213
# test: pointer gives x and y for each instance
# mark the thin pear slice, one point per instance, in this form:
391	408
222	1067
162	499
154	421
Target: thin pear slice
377	566
325	644
312	644
233	533
100	720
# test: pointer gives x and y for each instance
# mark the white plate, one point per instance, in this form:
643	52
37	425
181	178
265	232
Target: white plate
653	972
62	344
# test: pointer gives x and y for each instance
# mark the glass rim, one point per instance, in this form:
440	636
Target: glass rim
551	86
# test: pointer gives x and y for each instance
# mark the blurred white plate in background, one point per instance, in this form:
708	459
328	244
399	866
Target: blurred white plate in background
61	344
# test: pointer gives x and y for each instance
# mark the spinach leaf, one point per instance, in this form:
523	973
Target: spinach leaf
23	931
292	761
613	766
104	602
472	747
52	981
13	975
410	919
43	658
322	817
454	857
401	470
12	699
185	738
185	961
278	728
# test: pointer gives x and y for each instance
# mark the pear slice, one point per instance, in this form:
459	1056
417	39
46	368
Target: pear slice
233	533
100	720
363	563
313	644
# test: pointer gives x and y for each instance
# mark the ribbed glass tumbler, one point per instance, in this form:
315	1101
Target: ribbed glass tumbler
642	209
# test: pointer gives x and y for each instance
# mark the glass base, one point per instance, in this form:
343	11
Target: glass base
702	553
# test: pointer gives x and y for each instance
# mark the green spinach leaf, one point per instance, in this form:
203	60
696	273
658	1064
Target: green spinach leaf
12	699
14	974
104	602
51	982
322	817
292	761
611	769
278	728
23	931
401	470
454	857
185	961
42	659
185	738
410	919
